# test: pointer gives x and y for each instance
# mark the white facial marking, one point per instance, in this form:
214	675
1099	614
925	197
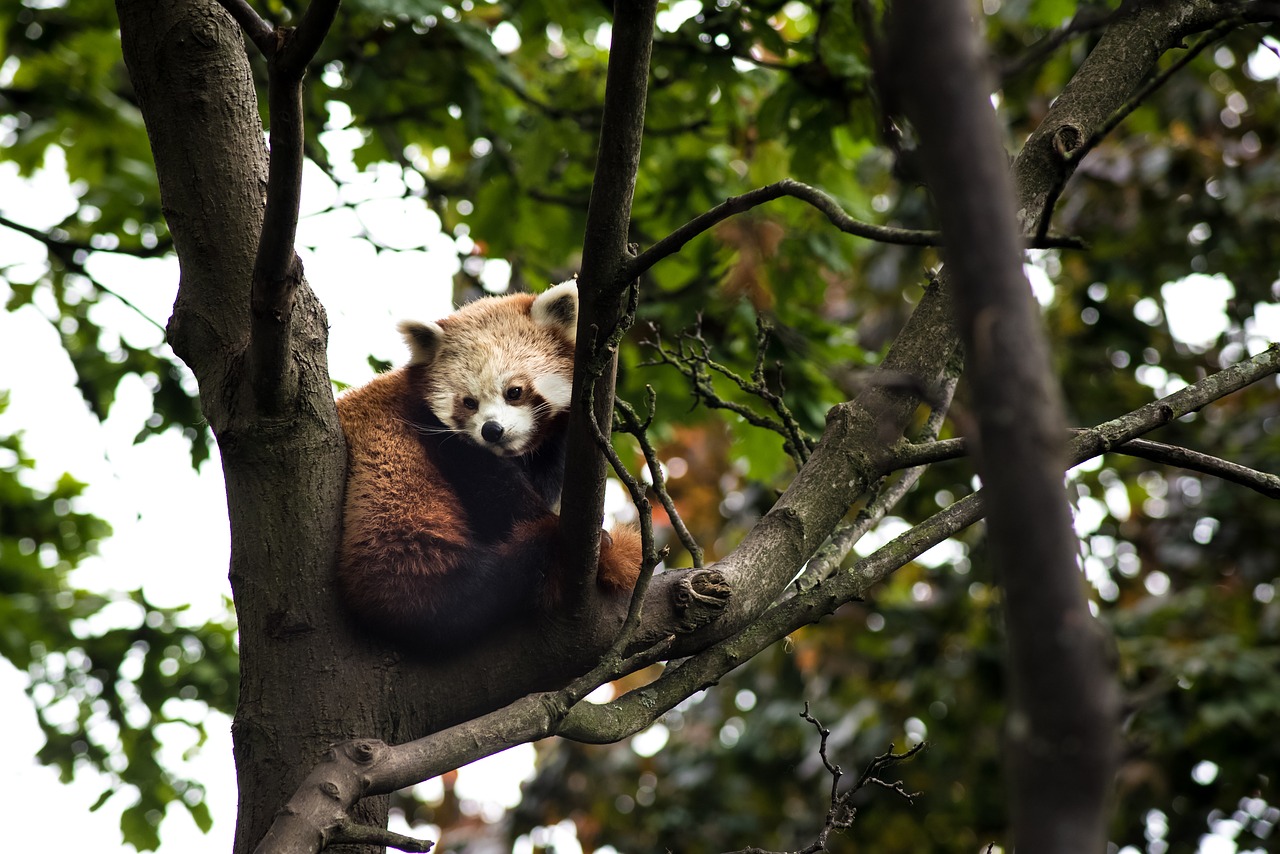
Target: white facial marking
516	423
487	349
555	389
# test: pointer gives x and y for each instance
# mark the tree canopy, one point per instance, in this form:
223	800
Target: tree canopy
1157	266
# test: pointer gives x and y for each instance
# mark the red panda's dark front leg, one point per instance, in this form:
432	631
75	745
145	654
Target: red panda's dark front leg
445	596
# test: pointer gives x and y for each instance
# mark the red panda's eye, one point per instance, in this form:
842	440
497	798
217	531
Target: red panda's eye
471	403
514	392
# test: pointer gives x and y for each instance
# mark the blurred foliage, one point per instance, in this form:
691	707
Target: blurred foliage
106	672
488	113
64	85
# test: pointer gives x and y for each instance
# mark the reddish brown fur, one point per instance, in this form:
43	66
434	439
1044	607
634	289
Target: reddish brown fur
621	551
398	526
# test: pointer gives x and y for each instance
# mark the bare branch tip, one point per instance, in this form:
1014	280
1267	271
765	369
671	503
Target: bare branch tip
352	833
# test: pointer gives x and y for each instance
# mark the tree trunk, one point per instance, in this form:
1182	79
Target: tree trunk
303	683
307	680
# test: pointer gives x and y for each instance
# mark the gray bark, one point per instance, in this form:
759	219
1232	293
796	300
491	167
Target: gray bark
307	680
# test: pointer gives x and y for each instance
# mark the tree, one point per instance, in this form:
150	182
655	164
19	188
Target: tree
741	96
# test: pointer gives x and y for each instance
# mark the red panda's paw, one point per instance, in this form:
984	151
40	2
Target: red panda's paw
621	552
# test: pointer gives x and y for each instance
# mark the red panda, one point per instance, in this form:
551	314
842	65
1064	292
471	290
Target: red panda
455	463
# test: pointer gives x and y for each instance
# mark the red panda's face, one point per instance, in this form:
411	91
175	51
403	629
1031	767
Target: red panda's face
500	370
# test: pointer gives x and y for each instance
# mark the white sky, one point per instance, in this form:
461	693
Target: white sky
134	486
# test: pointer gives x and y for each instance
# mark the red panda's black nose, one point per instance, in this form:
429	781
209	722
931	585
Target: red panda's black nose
492	431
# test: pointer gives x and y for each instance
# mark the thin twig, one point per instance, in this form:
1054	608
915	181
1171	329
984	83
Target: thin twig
1086	20
887	760
629	422
66	252
652	556
840	814
673	242
697	365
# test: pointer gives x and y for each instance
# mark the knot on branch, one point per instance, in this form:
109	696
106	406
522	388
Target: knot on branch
700	597
206	31
361	751
364	751
1067	139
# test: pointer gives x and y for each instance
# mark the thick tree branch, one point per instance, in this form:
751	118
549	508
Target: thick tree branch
277	271
602	287
639	708
1118	65
1141	96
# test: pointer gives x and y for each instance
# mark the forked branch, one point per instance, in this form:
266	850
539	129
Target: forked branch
277	271
884	498
1264	483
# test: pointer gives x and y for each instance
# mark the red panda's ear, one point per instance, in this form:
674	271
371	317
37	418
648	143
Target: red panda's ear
423	340
557	308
